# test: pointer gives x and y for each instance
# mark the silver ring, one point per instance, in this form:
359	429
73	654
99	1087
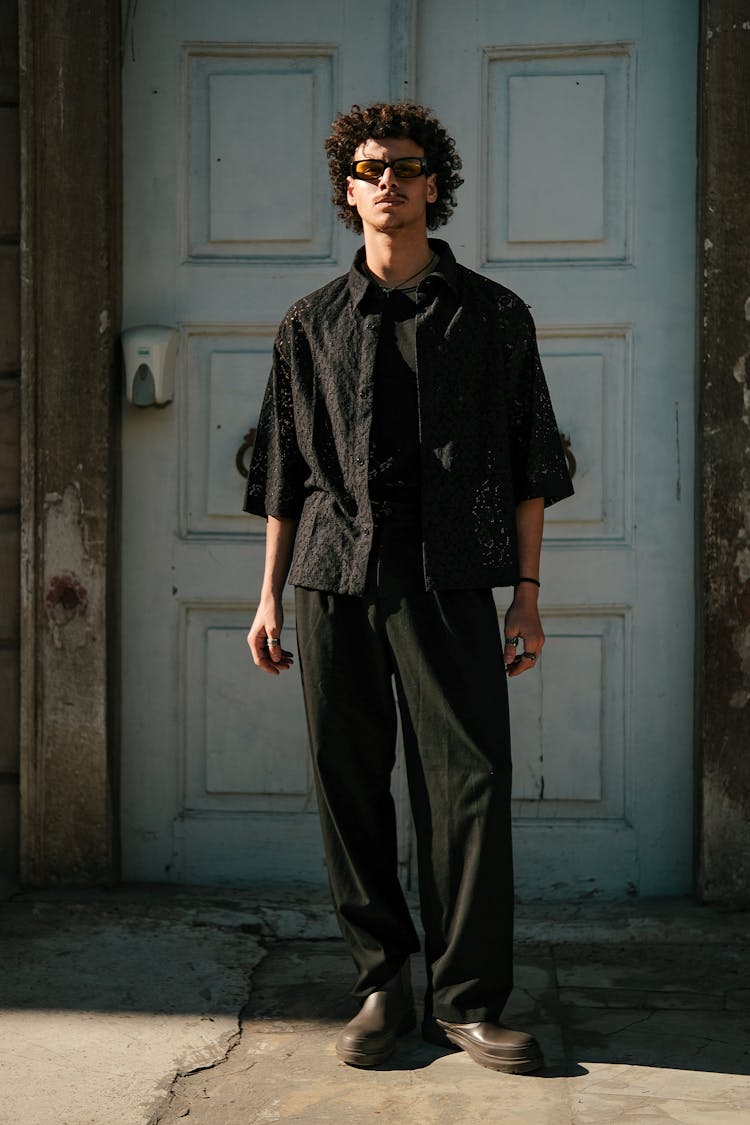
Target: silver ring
529	656
272	641
512	641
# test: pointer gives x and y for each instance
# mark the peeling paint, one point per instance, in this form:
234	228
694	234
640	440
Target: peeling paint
72	580
747	309
740	374
103	321
742	558
743	601
741	633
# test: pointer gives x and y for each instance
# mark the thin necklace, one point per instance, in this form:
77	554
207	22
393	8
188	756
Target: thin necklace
399	284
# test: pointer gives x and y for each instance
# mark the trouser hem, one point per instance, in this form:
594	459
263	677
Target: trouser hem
471	1015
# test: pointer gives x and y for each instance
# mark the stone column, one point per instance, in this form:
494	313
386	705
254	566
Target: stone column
9	437
70	269
723	681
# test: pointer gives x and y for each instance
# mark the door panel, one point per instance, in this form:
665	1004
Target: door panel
226	371
256	120
558	185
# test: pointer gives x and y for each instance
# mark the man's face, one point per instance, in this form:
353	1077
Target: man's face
391	203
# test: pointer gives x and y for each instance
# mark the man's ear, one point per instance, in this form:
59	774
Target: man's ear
350	192
432	191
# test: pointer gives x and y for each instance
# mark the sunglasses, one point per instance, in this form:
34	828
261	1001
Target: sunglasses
404	168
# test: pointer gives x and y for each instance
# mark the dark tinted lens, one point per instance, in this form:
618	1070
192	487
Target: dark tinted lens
407	168
369	169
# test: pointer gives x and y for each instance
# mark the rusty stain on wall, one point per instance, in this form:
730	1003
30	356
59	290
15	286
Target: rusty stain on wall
66	598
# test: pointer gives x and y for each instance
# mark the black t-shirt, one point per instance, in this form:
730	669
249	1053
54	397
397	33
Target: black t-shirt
394	437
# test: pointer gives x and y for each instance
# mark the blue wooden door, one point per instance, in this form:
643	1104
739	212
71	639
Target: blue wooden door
575	121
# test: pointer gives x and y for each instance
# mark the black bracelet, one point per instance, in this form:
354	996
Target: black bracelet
534	582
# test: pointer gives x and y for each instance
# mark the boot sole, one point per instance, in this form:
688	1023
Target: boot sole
524	1065
353	1057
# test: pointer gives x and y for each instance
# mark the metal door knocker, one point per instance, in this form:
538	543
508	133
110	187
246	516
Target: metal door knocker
569	455
248	442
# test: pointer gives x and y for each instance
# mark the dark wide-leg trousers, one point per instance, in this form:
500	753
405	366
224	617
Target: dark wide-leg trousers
442	650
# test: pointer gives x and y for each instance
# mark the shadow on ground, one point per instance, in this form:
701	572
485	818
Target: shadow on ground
643	1006
124	1008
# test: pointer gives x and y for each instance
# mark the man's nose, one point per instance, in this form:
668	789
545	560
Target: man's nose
388	179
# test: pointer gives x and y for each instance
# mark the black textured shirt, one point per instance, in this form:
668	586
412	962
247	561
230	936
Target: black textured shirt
487	433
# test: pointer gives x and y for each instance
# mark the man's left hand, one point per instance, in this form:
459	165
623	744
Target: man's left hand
524	626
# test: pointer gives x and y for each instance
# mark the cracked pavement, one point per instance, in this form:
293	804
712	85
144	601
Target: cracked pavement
151	1006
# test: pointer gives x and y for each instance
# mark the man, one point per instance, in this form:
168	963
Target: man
405	453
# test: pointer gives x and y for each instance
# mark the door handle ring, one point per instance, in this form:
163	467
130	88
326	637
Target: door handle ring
248	442
569	455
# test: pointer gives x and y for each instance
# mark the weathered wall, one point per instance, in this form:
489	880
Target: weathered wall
9	451
70	111
723	776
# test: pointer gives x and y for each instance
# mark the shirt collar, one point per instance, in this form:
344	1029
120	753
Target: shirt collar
446	269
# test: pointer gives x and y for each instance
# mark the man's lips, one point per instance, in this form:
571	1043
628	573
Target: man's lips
390	199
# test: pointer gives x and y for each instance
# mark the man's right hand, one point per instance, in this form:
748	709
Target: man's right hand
264	639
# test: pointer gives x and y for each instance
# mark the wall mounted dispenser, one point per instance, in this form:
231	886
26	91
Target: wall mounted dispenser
150	353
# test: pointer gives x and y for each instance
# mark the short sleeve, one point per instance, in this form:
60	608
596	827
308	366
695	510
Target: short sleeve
275	483
538	459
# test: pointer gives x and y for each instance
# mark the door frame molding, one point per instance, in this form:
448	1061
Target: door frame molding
71	292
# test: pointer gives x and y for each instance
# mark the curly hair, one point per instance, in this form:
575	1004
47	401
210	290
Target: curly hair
399	119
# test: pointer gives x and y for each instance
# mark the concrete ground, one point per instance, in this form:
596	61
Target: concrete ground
150	1006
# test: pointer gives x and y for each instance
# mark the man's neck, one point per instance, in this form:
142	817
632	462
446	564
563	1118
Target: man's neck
394	260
